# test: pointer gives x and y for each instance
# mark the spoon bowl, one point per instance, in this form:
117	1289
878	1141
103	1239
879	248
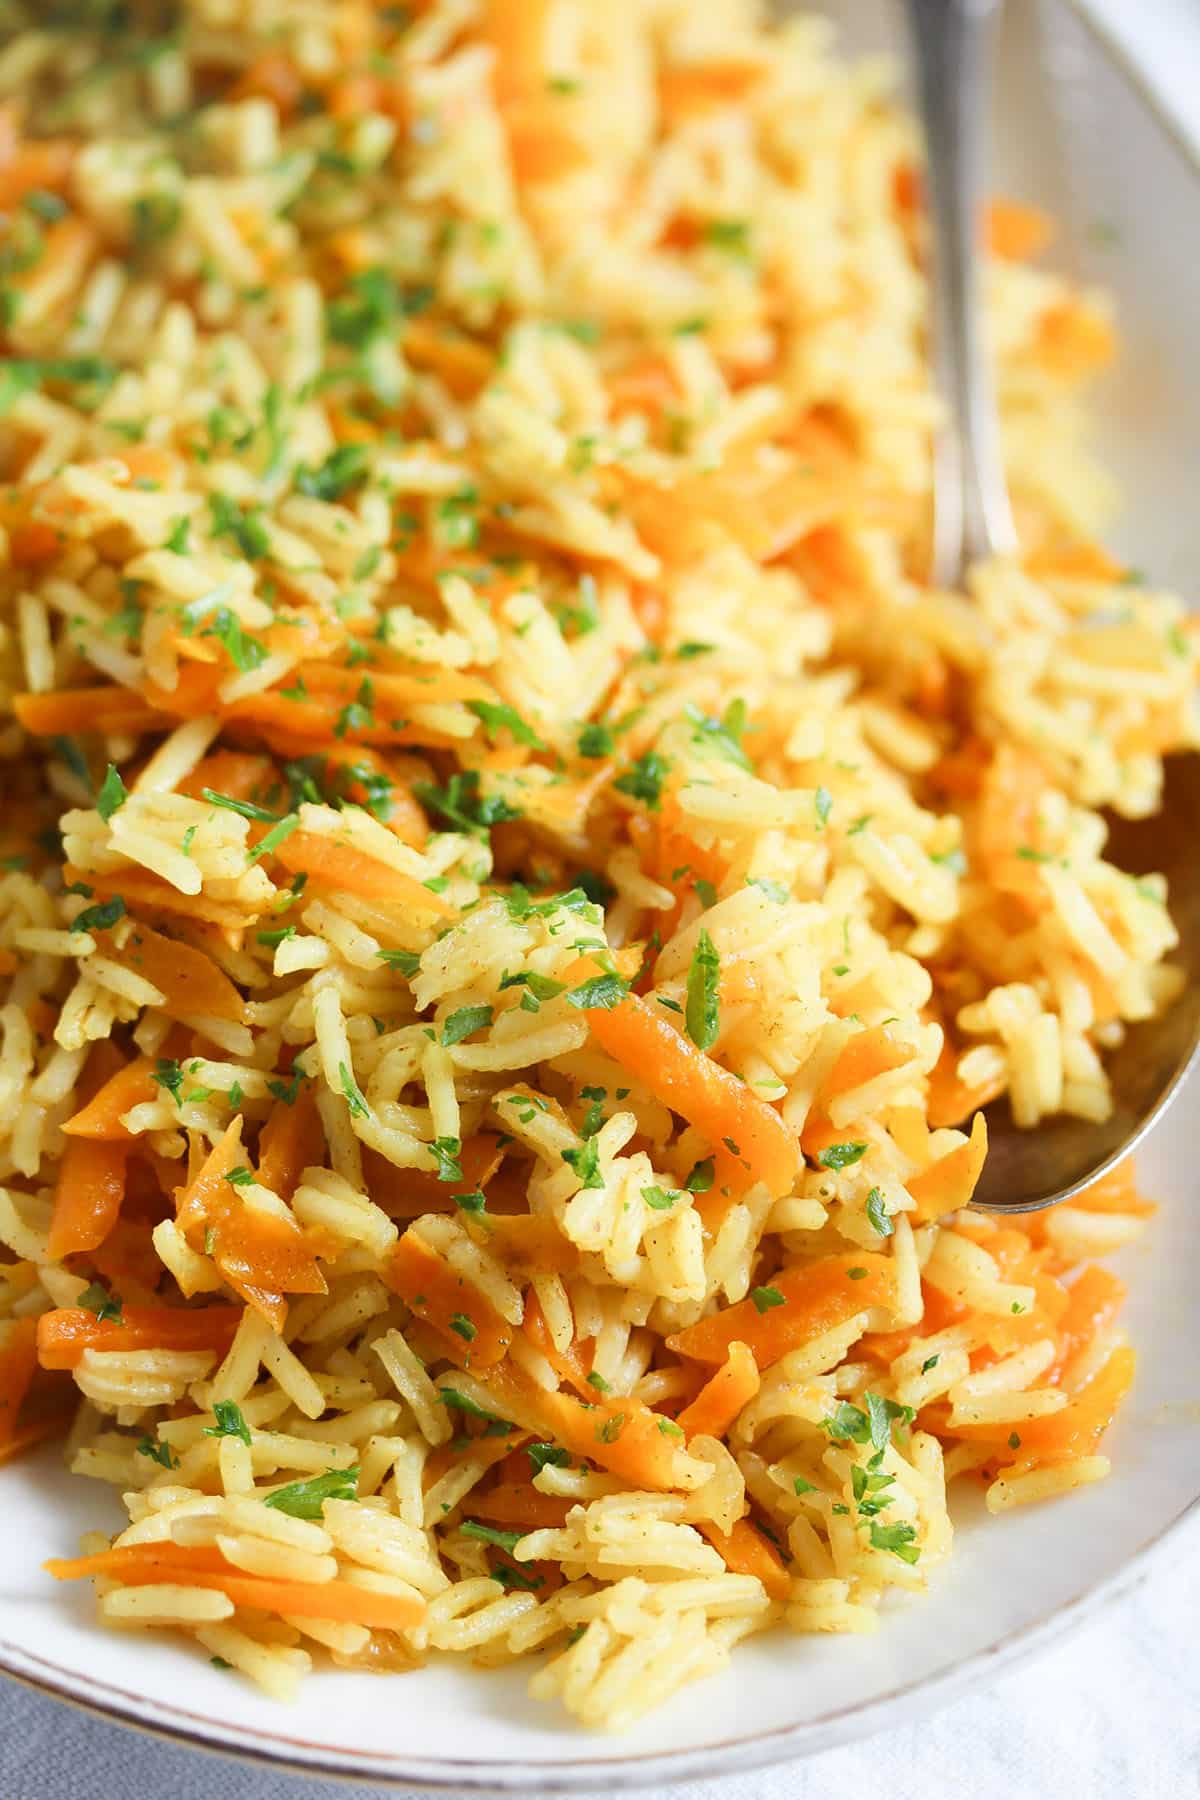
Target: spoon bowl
1029	1170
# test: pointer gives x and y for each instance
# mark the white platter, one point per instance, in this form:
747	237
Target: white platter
1076	132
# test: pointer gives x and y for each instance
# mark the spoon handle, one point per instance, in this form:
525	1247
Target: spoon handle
972	516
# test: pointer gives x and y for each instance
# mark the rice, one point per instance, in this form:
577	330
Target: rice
515	888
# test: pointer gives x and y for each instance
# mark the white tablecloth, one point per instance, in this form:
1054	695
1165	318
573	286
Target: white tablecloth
1113	1711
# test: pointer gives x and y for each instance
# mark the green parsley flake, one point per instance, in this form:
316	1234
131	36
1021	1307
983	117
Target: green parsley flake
464	1021
703	1015
230	1421
306	1499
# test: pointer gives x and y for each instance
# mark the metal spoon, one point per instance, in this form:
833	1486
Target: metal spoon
1029	1170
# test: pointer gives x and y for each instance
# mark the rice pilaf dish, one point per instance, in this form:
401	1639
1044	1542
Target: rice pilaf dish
516	888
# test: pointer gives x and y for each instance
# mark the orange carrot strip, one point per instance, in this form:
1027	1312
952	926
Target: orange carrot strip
947	1184
292	1140
1116	1192
72	710
190	982
704	1092
1093	1303
407	1193
242	774
746	1551
867	1054
815	1300
65	1333
619	1433
147	1565
1017	232
18	1361
1079	1427
723	1395
1074	341
149	893
333	863
573	1364
88	1194
519	1503
457	1310
262	1257
462	363
691	87
101	1118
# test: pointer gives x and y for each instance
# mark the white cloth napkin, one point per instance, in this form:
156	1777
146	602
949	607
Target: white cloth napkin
1113	1711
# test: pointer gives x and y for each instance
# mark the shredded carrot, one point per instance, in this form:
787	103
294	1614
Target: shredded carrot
407	1193
1074	340
330	862
36	164
241	774
792	1309
950	1100
190	982
518	1503
272	76
88	1194
620	1434
691	87
723	1395
948	1184
475	1333
462	364
18	1363
1074	561
292	1140
134	1085
1094	1300
1079	1427
759	1146
1016	231
1116	1192
198	1565
66	1332
70	711
871	1052
262	1256
574	1364
745	1551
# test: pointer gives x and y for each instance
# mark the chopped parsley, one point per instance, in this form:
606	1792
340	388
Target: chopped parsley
230	1422
354	1097
878	1214
765	1298
599	995
497	718
586	1163
842	1156
159	1453
306	1499
96	1299
101	917
446	1152
644	778
112	796
461	1023
703	1015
